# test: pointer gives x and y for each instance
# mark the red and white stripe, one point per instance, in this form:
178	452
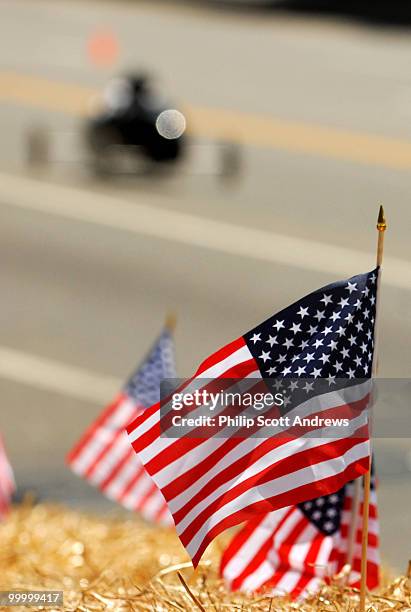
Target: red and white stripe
105	458
7	485
213	484
285	553
282	551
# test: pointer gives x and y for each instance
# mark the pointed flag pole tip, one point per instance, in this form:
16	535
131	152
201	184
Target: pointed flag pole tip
171	321
381	223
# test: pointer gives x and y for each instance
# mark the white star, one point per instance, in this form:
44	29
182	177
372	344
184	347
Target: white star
349	317
293	385
309	357
300	370
340	331
264	356
333	499
343	302
357	304
331	512
352	340
319	502
329	526
372	278
318	342
296	327
366	291
295	358
288	342
282	358
363	347
286	371
351	287
369	334
319	315
345	353
331	380
308	505
286	400
358	361
272	340
351	373
326	299
372	300
338	366
326	331
303	312
316	515
271	371
308	387
316	372
366	313
359	326
333	345
303	344
278	325
256	338
278	384
335	316
313	329
324	358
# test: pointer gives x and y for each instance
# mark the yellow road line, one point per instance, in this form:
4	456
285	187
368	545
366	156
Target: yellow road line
46	94
234	126
298	137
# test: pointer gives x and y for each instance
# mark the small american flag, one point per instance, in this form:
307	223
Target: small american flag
7	485
211	484
104	457
292	551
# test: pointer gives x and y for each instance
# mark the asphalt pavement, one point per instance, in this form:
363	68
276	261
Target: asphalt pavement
322	112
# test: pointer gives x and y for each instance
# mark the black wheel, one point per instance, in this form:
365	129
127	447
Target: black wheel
160	149
37	147
231	161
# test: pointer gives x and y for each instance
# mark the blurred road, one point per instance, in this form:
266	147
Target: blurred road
323	113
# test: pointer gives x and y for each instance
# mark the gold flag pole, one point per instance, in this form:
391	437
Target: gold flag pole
381	227
171	321
352	534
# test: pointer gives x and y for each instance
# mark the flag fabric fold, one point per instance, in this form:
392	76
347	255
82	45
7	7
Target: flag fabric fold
7	485
213	484
294	550
104	457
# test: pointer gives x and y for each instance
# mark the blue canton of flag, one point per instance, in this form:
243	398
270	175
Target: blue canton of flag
329	334
144	385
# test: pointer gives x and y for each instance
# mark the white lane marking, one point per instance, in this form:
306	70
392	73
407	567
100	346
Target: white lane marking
54	376
142	219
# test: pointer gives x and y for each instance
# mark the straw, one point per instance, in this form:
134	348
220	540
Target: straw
121	564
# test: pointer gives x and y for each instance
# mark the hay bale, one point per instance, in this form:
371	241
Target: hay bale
126	565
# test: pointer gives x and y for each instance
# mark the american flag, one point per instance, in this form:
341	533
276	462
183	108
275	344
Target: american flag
213	484
104	457
6	482
294	550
